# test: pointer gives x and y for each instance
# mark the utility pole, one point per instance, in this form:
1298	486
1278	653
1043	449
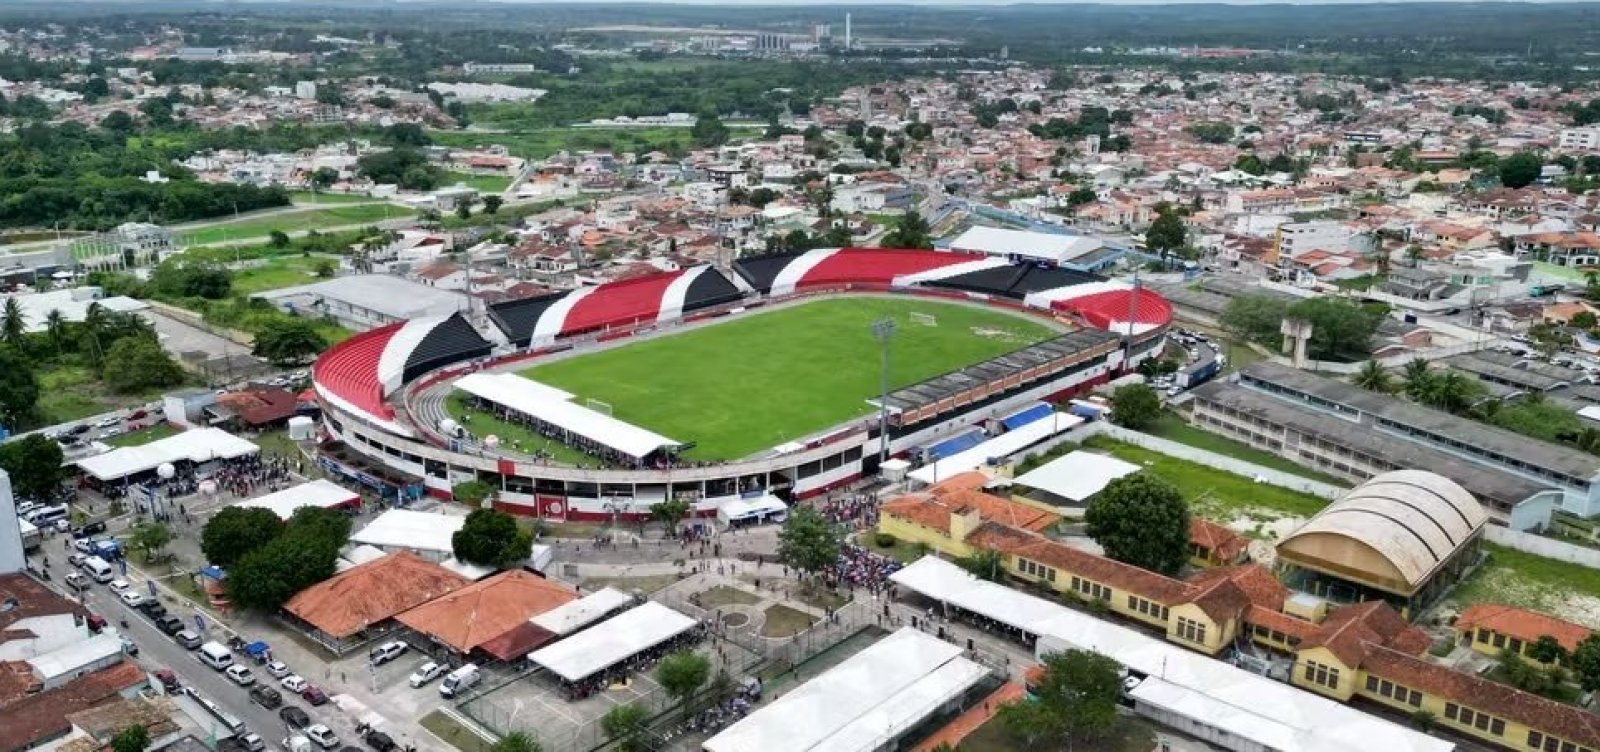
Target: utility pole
883	330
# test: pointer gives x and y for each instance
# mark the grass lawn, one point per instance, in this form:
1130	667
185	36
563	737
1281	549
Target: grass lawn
453	733
138	438
278	444
1522	579
905	551
1213	494
310	219
285	271
1173	428
723	595
759	380
1131	735
512	435
70	392
484	183
307	197
783	621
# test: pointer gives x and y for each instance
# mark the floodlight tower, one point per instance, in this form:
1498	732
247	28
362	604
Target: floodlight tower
883	330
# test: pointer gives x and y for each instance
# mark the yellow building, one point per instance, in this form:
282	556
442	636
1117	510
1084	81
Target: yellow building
1490	628
926	517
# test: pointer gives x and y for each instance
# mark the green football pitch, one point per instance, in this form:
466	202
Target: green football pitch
738	387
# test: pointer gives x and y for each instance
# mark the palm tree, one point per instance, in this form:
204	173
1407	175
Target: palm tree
13	323
55	327
1417	378
1373	378
1414	254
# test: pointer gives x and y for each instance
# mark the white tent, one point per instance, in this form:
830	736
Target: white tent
1205	692
612	641
861	704
318	493
197	445
1077	476
571	617
766	507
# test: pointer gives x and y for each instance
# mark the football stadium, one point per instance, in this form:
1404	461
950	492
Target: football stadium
763	380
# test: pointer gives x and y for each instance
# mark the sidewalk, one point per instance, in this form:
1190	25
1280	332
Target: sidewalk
963	725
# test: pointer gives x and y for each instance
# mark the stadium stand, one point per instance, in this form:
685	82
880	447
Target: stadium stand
1013	281
653	298
834	266
1107	305
362	371
438	343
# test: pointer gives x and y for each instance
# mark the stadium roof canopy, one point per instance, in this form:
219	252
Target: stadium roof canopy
956	382
1004	445
874	696
612	641
1267	712
1038	246
195	445
553	406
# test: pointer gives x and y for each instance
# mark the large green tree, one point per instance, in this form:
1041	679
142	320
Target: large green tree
236	531
131	739
19	390
1075	699
491	538
910	231
709	131
137	363
265	578
1135	406
1340	329
286	342
1373	377
1141	520
626	725
517	741
1167	234
682	673
1254	317
13	323
1520	170
1585	662
151	538
809	542
35	466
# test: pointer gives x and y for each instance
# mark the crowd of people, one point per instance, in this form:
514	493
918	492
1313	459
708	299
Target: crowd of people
859	568
857	510
638	662
253	475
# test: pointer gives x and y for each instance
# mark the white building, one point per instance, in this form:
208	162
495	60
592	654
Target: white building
305	90
1295	238
11	556
1586	138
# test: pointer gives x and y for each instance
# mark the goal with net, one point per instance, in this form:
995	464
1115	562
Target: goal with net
924	319
598	406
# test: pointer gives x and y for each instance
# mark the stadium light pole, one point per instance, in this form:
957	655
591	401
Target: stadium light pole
883	331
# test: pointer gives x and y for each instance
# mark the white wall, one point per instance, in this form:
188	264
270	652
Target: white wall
11	556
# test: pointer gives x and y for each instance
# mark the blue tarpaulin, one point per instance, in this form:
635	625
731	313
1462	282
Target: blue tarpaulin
956	445
1017	420
257	649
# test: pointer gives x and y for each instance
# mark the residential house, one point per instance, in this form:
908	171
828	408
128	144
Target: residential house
1490	628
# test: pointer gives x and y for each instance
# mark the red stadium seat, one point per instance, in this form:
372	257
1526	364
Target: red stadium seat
877	265
349	371
620	303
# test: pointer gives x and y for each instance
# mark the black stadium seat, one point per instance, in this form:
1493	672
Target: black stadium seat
761	271
450	342
517	318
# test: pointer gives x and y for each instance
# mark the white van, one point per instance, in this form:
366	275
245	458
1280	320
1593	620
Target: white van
460	680
213	654
98	569
47	515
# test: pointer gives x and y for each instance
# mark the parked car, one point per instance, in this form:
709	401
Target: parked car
169	680
169	624
76	559
294	717
77	581
153	609
323	736
240	675
386	652
188	639
294	683
276	669
129	647
425	673
89	529
314	695
380	741
133	598
119	586
266	696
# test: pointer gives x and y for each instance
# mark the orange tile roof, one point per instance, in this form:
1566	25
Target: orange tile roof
1350	632
365	595
483	611
42	716
1294	627
1224	544
931	509
1141	582
1521	623
1548	716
